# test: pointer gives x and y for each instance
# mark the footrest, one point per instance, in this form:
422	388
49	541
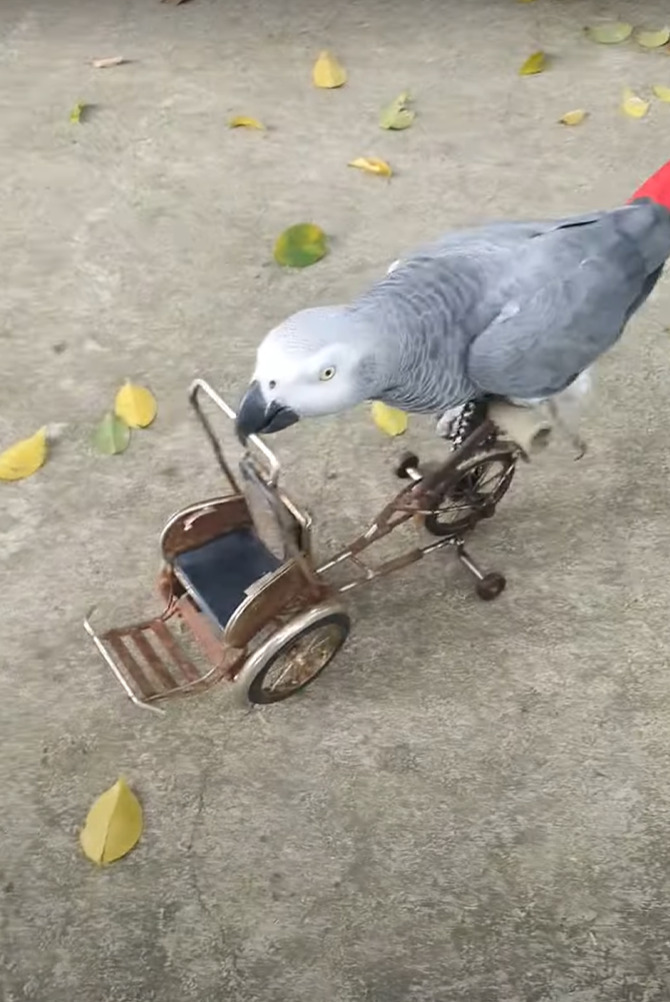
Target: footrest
150	663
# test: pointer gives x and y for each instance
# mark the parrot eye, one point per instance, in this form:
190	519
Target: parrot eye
327	373
272	384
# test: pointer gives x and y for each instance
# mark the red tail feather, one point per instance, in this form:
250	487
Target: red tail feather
657	187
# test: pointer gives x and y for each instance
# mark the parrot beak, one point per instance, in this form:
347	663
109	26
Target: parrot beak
255	416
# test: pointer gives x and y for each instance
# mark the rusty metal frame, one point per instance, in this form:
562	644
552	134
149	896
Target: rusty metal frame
288	610
418	499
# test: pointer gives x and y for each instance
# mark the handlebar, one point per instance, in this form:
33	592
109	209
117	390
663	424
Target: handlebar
272	467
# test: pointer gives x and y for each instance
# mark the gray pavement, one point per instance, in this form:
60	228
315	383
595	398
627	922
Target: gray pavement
472	803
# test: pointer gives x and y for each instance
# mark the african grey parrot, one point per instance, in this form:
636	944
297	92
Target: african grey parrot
509	310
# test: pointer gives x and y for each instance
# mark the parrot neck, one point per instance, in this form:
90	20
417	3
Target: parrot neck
391	358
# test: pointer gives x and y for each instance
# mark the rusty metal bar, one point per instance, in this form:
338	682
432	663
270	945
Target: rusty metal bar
201	384
118	674
186	666
128	660
140	640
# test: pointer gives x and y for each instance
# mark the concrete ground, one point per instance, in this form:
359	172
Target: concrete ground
473	801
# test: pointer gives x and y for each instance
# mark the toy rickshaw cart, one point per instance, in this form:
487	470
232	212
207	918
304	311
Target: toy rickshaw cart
239	577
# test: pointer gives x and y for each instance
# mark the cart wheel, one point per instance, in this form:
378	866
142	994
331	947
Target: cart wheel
483	482
490	586
407	461
293	656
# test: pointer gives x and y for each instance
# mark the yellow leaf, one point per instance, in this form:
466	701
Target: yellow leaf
535	63
653	39
662	93
104	64
25	457
241	121
135	405
633	105
609	33
372	166
328	72
300	245
575	117
113	824
397	115
389	420
77	112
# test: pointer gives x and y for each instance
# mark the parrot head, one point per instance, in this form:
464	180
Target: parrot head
312	364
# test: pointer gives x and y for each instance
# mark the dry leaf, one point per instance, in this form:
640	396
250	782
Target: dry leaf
24	458
103	64
300	245
609	33
575	117
371	165
77	112
388	419
653	39
135	405
242	122
328	72
662	93
632	105
397	115
535	63
113	824
112	435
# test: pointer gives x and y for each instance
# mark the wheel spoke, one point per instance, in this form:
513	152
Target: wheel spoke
300	662
479	486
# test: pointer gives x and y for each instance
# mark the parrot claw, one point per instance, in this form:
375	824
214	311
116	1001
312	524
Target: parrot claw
447	424
562	424
581	447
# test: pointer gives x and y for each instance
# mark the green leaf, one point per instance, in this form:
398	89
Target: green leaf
300	245
609	33
653	39
397	115
77	112
662	92
112	435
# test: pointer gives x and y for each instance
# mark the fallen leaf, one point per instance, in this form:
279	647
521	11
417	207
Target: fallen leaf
135	405
662	93
77	112
112	435
300	245
371	165
113	825
24	458
242	122
609	33
632	105
575	117
328	72
535	63
653	39
397	115
103	64
388	419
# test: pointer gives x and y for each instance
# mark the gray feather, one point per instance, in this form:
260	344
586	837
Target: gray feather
514	309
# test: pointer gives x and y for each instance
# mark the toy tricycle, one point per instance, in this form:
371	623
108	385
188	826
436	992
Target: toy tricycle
240	579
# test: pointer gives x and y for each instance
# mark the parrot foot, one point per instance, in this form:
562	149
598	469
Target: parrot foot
448	423
575	439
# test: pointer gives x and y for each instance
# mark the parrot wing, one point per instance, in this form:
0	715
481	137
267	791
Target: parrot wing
572	290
